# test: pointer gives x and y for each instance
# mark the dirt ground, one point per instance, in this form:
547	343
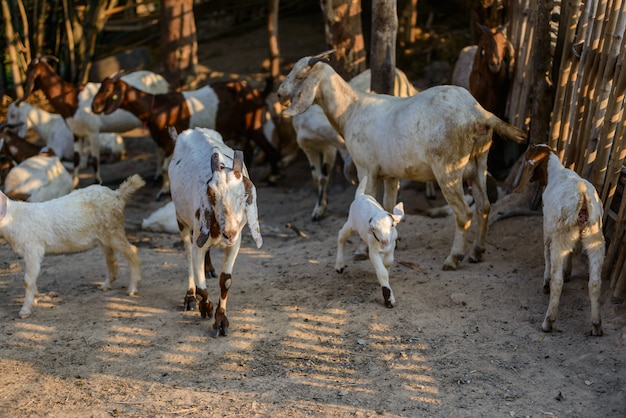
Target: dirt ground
304	340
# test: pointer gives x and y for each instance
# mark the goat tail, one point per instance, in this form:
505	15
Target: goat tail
130	186
362	186
506	129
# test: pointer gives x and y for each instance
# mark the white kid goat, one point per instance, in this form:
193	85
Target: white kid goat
69	224
320	141
572	213
441	134
214	198
377	228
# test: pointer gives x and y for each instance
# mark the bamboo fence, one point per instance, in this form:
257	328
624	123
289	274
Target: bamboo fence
588	118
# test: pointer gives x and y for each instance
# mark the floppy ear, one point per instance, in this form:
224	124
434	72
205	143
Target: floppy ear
252	212
528	170
303	97
215	163
398	213
3	205
115	100
238	162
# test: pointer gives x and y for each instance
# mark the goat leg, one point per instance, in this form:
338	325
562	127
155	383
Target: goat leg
220	326
205	306
190	300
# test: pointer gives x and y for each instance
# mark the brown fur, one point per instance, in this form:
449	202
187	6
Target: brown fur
63	96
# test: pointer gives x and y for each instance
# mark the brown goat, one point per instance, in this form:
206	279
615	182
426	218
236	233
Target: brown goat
489	83
232	108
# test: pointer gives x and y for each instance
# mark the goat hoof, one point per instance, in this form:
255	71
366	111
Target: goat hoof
547	325
390	301
596	331
206	309
221	323
24	314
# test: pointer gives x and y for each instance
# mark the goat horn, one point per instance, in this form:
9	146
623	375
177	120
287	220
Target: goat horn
116	76
320	57
238	161
47	57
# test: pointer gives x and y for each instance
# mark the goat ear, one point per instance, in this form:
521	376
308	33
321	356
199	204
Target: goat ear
252	212
528	169
303	98
238	161
172	133
398	213
215	162
3	205
484	29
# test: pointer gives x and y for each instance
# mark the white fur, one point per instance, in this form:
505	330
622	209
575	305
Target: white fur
38	178
441	134
320	141
463	67
72	223
56	134
194	176
49	126
162	220
377	228
564	196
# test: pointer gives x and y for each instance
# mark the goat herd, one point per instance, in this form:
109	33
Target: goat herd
441	134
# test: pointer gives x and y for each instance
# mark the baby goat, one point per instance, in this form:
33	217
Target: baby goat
377	228
572	212
68	224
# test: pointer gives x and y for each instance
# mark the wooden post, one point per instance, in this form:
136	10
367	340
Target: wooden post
383	48
13	53
272	31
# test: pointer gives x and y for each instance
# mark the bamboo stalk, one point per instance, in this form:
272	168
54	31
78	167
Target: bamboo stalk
567	34
613	97
597	151
616	238
13	53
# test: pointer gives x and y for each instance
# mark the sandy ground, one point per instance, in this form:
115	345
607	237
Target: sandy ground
304	340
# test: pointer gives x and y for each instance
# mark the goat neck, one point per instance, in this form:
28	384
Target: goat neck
63	96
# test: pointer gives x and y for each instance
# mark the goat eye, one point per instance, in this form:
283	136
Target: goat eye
114	97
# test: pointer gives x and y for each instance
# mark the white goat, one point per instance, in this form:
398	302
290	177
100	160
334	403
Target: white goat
440	134
572	213
72	223
320	141
213	204
56	134
37	179
162	220
377	228
49	126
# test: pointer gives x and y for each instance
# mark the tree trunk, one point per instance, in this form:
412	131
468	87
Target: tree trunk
408	24
179	42
13	52
39	16
272	31
383	48
542	94
94	23
344	33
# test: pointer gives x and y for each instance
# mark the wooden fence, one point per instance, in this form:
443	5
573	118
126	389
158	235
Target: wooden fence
588	119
